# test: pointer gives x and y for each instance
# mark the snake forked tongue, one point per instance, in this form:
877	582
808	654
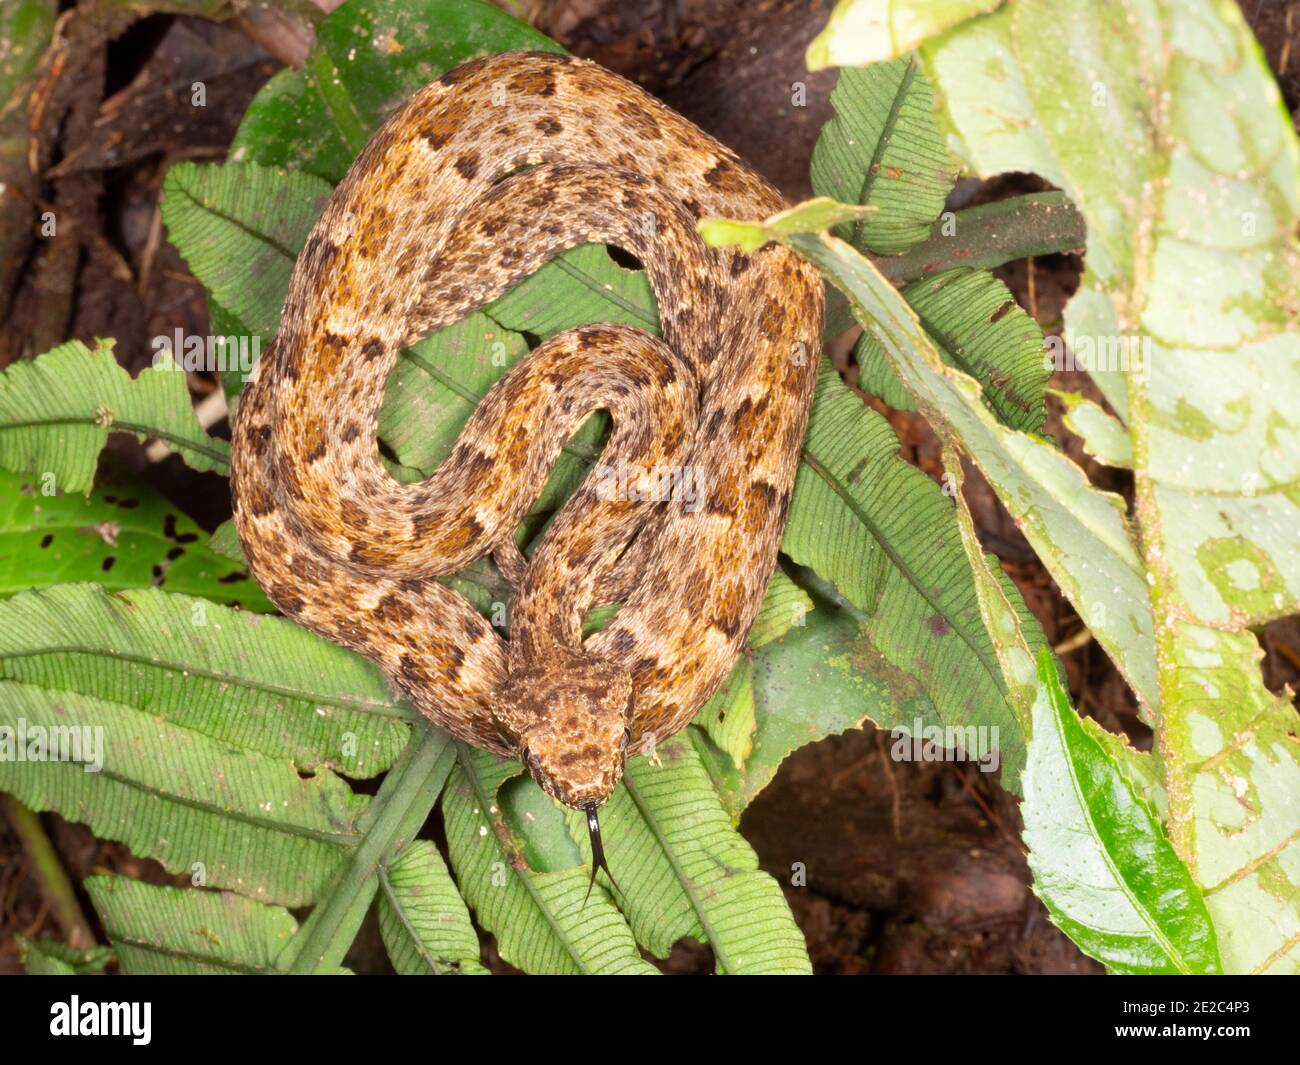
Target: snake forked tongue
597	852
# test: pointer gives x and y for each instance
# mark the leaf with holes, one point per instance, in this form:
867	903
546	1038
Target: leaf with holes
123	535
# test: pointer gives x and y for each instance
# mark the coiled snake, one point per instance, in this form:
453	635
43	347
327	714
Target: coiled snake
478	180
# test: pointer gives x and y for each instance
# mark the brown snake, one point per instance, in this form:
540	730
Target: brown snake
473	184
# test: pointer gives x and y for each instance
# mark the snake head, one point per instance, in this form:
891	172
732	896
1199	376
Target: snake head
568	723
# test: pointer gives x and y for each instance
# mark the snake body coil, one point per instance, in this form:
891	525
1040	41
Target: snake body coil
472	185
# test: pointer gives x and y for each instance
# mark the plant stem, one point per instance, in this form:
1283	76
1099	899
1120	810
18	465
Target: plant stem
49	872
395	815
992	234
982	237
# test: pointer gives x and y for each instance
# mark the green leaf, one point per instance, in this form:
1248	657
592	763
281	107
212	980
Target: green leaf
1081	533
224	541
1188	312
867	31
167	931
886	537
123	535
259	683
977	326
1102	864
438	382
56	412
1004	624
240	227
49	957
537	915
389	823
1104	437
685	871
811	216
1140	768
239	819
882	147
728	718
582	285
25	28
821	678
422	917
240	339
367	59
